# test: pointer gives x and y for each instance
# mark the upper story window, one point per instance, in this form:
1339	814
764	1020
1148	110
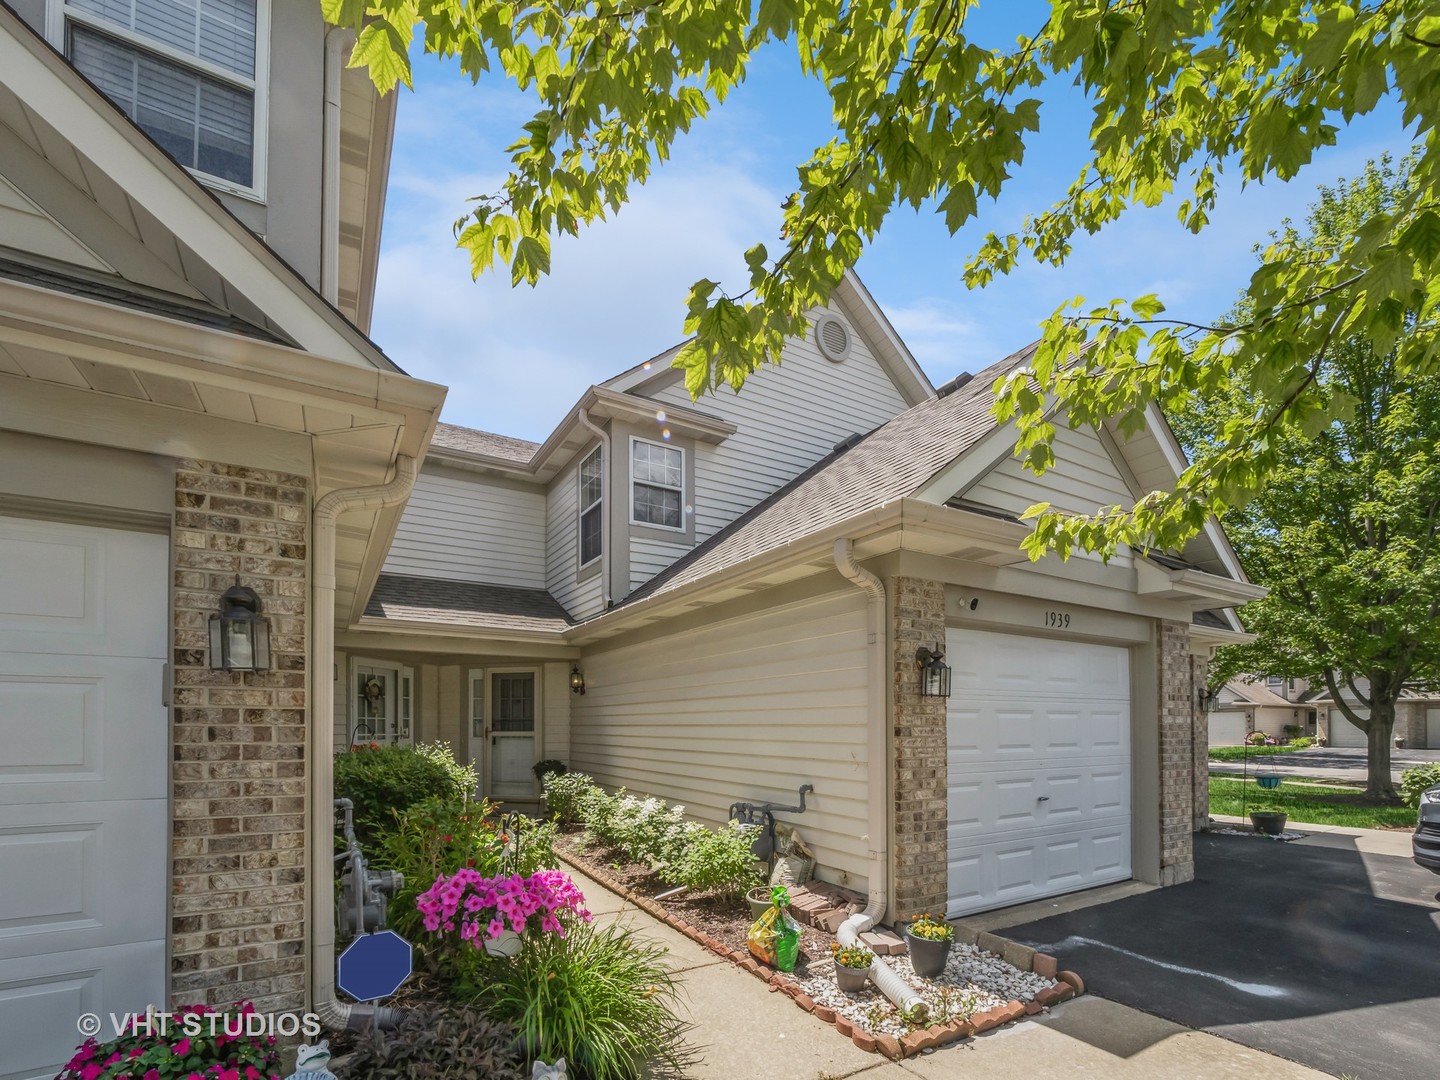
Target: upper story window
657	484
187	72
592	492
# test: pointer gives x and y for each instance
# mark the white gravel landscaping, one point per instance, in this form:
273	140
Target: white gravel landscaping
974	980
1228	831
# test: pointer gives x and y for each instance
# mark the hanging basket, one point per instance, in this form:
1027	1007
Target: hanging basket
1268	781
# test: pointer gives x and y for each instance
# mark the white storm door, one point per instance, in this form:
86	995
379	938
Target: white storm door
1343	732
1038	733
514	730
84	808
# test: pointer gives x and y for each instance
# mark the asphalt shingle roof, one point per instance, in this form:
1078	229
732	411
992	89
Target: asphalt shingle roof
891	462
470	441
465	603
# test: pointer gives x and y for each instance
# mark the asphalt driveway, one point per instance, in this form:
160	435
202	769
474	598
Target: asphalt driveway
1346	764
1321	954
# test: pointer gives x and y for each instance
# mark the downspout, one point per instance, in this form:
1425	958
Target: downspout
320	747
605	499
876	788
338	40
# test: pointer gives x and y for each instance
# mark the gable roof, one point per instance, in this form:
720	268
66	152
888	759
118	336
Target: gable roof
77	156
892	462
484	443
405	598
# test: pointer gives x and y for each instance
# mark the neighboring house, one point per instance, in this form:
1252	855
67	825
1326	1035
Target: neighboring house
1417	716
1267	703
741	586
176	396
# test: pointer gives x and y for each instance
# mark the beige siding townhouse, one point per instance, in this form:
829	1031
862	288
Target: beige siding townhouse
187	400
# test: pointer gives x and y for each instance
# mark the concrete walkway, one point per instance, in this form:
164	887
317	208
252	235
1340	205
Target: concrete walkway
743	1031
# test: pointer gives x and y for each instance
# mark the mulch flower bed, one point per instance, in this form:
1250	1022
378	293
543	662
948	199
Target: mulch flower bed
977	991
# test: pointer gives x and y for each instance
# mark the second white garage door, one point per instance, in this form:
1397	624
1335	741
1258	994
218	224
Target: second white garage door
1039	768
1343	732
1227	727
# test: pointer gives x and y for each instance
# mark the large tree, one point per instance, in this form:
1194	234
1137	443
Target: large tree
1346	533
927	116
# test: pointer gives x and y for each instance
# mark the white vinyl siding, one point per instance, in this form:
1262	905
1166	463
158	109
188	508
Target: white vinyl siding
788	418
464	529
1082	480
190	74
649	557
743	710
562	548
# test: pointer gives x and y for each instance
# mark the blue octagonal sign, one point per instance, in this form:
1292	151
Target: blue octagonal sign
374	965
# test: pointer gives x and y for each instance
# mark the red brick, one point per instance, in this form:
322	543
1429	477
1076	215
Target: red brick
863	1040
805	1001
825	1013
844	1025
1044	965
889	1046
1073	980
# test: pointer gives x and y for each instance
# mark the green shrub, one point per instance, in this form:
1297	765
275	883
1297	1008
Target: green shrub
714	861
602	997
597	809
1414	781
441	835
1302	743
648	831
446	1042
1258	738
563	792
549	767
383	780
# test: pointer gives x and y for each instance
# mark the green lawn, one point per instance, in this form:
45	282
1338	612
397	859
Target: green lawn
1312	804
1237	753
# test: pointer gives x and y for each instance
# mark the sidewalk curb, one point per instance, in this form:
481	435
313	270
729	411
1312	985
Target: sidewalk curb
1066	984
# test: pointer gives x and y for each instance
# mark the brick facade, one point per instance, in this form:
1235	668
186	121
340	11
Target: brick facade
921	774
1177	749
1200	744
238	847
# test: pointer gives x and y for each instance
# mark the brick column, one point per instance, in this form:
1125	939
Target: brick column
921	802
1177	740
1200	748
238	848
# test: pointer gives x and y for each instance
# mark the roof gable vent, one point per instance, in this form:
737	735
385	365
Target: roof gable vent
833	337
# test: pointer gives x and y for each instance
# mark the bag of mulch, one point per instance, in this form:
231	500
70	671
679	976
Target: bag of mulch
774	938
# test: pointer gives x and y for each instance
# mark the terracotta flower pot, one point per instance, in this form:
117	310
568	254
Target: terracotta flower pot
927	957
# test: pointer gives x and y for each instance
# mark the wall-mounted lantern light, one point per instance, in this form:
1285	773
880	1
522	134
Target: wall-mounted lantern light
934	672
1206	697
577	679
239	634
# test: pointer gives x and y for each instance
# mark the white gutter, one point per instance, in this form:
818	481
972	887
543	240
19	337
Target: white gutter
877	788
606	497
319	745
338	40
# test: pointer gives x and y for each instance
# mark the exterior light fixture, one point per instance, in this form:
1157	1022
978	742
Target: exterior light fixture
934	672
577	679
1206	697
239	634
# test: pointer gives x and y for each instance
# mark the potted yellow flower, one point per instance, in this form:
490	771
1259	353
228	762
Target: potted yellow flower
929	939
852	967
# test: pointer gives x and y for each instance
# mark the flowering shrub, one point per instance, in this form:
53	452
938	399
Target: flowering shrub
649	831
714	860
468	901
563	792
189	1046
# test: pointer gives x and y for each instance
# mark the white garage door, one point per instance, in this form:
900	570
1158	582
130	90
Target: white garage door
1039	768
83	818
1343	732
1227	728
1432	729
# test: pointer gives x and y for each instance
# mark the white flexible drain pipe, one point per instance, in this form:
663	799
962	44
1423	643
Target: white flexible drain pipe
881	974
334	1014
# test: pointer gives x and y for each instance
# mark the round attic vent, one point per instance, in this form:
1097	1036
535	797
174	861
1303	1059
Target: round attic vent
833	337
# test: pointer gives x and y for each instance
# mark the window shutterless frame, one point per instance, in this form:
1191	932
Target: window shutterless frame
590	495
657	482
60	15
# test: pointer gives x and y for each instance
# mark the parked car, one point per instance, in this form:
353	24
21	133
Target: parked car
1426	843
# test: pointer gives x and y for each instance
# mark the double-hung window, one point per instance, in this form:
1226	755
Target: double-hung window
188	72
657	484
592	494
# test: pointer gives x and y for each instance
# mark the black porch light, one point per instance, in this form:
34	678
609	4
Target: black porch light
1206	698
934	672
577	679
239	634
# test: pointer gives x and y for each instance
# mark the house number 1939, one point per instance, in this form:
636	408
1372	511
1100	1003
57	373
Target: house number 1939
1058	619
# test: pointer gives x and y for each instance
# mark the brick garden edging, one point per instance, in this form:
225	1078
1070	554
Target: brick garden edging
1067	984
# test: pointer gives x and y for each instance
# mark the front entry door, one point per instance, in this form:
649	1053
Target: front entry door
514	706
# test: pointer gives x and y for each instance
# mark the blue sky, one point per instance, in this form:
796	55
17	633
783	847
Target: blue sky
516	359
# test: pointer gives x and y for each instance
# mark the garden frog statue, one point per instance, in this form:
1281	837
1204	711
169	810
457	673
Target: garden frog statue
311	1062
